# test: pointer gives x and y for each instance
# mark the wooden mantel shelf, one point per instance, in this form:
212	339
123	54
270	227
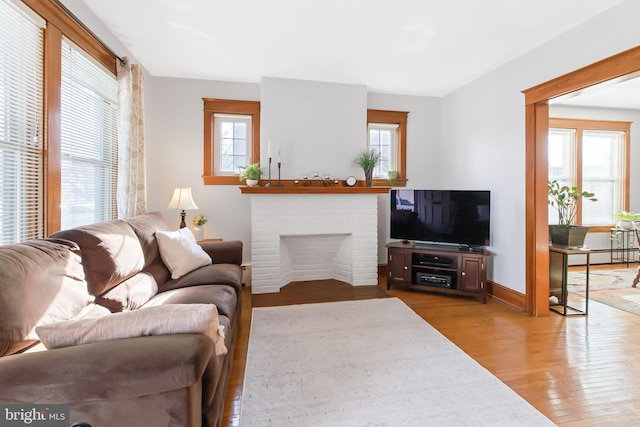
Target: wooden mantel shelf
301	189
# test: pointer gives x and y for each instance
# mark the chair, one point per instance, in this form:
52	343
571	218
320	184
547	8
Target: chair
637	278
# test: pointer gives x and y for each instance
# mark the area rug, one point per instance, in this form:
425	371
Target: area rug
367	363
610	287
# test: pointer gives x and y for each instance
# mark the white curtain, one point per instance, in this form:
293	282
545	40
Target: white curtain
132	177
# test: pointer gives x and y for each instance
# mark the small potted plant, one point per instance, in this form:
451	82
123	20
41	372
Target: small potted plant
625	220
368	160
198	222
564	199
251	174
392	176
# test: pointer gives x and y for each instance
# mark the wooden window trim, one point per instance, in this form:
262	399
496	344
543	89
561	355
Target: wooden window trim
60	22
582	125
227	106
57	15
397	118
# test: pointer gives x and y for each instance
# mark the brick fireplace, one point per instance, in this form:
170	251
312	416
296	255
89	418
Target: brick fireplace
297	236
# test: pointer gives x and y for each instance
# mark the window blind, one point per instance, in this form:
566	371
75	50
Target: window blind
89	140
21	126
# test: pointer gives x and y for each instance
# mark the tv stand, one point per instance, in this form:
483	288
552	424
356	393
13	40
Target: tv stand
445	269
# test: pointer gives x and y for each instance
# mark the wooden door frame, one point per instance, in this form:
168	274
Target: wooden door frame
612	69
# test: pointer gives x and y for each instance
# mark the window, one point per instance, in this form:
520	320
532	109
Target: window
592	155
231	139
387	134
382	139
232	134
89	142
36	183
21	125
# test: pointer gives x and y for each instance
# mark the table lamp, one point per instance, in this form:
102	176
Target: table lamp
182	199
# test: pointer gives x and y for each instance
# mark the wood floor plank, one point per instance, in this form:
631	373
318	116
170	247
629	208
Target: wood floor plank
578	371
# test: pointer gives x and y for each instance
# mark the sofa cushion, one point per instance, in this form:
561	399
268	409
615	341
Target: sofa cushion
145	227
223	274
130	294
42	282
223	296
180	251
159	320
111	253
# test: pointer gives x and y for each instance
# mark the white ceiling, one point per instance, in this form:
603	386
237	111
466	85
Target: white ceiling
420	47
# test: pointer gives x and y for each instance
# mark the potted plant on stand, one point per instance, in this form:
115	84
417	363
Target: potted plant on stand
625	220
564	199
368	160
252	174
198	223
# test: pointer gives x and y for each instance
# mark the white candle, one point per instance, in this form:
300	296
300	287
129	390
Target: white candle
269	149
278	154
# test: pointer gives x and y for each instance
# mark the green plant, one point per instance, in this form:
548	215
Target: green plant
251	172
199	220
564	199
392	176
625	216
368	160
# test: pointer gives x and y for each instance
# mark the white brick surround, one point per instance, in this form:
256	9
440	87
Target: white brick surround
298	237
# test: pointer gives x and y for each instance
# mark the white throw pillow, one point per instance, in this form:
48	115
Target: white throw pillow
158	320
180	252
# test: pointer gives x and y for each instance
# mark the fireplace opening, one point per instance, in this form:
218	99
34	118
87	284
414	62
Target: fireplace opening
316	257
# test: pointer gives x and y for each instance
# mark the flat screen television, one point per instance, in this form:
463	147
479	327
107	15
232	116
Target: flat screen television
441	216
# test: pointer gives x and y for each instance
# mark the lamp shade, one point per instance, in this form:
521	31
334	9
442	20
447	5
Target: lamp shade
182	199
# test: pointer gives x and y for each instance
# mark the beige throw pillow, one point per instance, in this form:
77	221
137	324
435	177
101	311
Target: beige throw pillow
159	320
180	252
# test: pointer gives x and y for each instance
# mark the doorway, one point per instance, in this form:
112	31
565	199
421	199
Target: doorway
616	68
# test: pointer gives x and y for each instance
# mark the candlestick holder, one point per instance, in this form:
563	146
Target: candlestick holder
279	184
269	183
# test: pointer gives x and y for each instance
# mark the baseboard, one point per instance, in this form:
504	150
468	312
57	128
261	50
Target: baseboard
506	295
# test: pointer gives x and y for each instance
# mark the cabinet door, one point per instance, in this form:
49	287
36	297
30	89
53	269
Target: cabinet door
472	274
399	267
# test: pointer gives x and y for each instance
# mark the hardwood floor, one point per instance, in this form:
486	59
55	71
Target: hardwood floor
578	371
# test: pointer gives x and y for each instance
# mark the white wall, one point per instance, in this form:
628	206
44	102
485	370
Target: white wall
174	138
174	123
483	128
317	126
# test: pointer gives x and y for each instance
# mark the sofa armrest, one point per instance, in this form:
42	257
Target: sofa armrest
225	252
117	369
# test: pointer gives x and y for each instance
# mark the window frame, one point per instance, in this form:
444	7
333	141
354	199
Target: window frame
22	120
213	106
398	118
60	22
580	126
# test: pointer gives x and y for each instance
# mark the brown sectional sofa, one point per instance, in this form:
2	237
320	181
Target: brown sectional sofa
95	271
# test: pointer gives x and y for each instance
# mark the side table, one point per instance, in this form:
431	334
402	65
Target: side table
558	271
